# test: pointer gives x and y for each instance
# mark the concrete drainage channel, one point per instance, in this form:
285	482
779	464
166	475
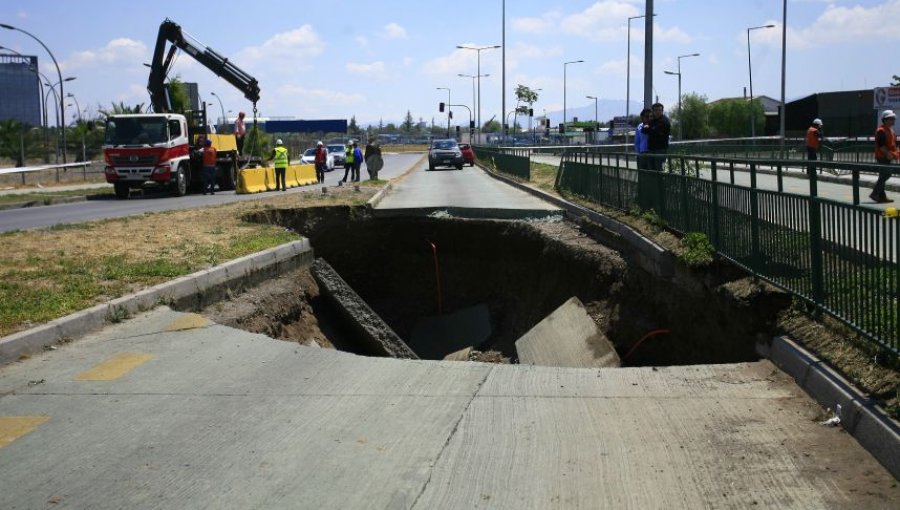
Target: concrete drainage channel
444	285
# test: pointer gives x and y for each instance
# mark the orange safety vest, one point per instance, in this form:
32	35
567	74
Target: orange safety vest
890	143
209	156
812	138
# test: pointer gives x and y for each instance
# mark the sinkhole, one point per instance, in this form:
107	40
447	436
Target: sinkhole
511	275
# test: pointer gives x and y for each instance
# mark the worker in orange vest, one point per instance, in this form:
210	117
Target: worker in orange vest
209	167
813	143
885	152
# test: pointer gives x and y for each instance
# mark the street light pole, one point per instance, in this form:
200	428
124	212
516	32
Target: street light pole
628	79
448	108
478	50
783	65
680	118
83	127
221	107
62	100
596	123
565	64
750	69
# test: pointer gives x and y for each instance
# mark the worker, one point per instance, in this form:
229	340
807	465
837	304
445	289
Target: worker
813	143
357	161
348	162
885	152
321	162
209	167
240	129
280	160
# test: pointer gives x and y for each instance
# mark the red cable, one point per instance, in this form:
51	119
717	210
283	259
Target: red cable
648	335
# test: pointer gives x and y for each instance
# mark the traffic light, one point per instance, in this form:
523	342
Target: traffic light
531	112
441	107
457	132
450	114
471	124
562	128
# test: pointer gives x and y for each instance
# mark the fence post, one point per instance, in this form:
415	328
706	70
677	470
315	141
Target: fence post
715	204
756	256
815	247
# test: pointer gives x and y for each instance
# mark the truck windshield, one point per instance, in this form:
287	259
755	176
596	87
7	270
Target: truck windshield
136	131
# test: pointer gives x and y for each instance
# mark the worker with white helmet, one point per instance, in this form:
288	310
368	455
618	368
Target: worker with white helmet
885	152
321	161
280	160
813	143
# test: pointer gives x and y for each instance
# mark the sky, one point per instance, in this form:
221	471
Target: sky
378	60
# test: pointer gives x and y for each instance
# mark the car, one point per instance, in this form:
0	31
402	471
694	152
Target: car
338	151
445	153
468	154
309	158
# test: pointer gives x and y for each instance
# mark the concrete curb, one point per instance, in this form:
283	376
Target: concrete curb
864	420
192	291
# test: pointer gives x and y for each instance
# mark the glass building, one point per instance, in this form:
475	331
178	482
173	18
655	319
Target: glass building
20	95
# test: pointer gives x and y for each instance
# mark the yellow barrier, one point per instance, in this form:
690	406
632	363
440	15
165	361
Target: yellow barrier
221	142
255	180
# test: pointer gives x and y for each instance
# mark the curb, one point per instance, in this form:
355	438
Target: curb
187	292
862	419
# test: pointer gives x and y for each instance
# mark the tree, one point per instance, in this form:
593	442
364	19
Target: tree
353	128
408	123
693	119
491	126
731	118
121	108
524	95
896	81
178	95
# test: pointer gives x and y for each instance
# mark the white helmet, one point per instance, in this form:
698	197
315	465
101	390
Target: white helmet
279	142
817	122
319	144
888	114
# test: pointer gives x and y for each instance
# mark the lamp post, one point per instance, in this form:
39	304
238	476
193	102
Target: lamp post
565	65
628	79
783	65
750	69
83	127
596	124
448	108
680	119
474	77
62	100
60	120
220	106
478	50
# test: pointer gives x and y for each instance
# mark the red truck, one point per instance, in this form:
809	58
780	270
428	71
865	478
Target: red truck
163	147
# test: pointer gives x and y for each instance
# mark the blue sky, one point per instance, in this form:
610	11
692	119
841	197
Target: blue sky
378	59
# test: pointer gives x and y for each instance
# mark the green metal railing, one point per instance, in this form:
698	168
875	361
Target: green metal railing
840	257
511	161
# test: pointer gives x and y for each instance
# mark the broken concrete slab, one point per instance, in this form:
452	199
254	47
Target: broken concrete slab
460	355
568	337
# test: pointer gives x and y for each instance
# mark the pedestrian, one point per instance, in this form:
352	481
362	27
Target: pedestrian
348	162
209	167
321	161
373	159
813	143
240	129
280	160
885	152
658	133
640	140
357	161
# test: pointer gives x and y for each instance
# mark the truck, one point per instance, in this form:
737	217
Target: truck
163	147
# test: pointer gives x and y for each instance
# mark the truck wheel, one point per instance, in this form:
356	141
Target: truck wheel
122	190
229	176
181	184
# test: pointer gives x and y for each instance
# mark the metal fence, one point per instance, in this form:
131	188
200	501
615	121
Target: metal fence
840	257
511	161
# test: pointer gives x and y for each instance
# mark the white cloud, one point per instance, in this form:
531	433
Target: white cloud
543	25
394	31
361	41
602	21
123	51
531	51
291	46
322	95
373	70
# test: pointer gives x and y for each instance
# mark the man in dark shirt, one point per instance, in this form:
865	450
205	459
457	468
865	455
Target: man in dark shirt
658	132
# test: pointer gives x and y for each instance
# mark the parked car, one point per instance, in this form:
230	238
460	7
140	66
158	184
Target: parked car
468	154
338	151
445	153
309	158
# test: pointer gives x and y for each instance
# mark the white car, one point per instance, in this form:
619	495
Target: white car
339	153
309	158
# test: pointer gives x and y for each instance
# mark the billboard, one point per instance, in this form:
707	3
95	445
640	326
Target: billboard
886	98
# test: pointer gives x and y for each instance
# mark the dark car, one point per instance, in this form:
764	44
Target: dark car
468	154
445	153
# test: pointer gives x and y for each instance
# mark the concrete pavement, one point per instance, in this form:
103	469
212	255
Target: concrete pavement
168	410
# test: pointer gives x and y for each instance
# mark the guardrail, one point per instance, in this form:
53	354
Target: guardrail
841	258
23	170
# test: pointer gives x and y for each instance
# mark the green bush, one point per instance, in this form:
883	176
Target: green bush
699	251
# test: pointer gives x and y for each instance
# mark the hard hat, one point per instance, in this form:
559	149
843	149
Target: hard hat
208	142
817	122
279	142
242	114
888	114
319	144
891	212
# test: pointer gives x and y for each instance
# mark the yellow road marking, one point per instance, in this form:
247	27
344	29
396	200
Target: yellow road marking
114	367
14	427
187	321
